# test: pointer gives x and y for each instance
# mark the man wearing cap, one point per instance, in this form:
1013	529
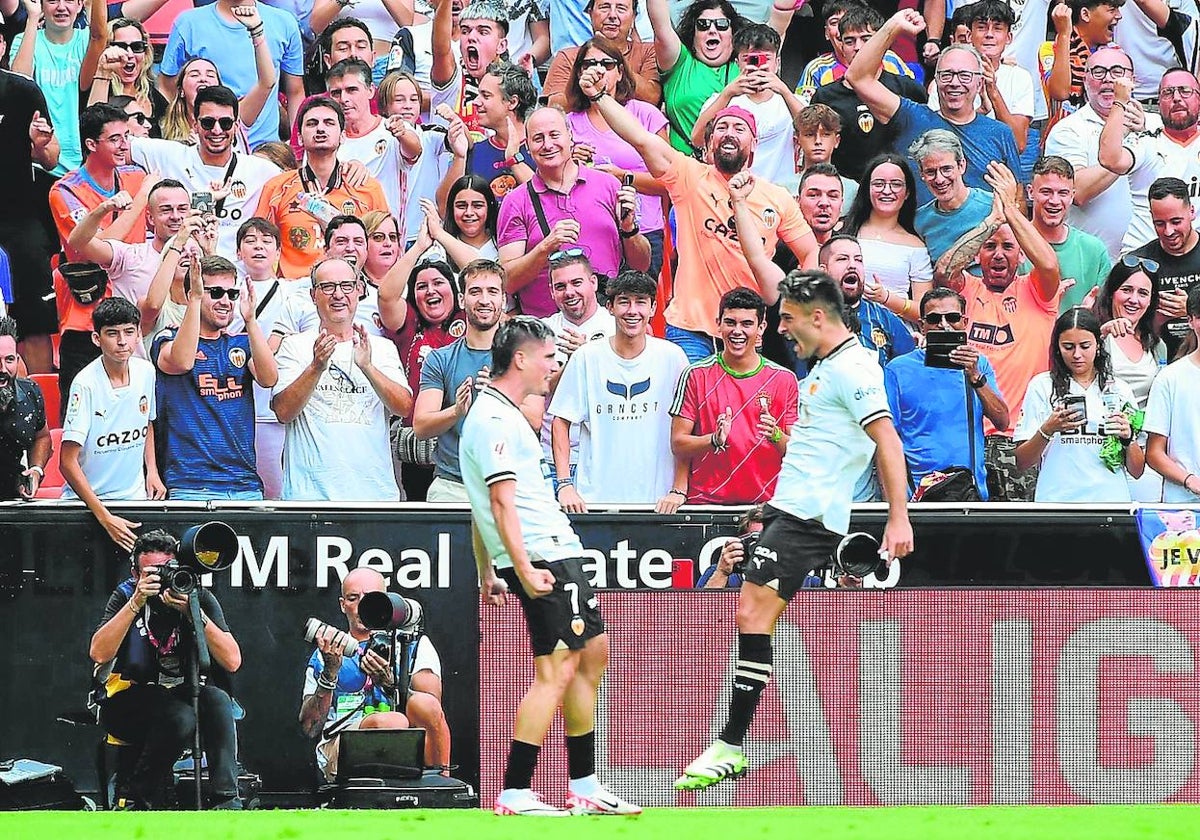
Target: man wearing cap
711	262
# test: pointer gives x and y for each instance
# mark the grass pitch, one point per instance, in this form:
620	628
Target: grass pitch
1153	822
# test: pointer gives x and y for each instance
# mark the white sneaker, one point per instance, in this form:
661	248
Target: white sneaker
525	803
601	801
719	761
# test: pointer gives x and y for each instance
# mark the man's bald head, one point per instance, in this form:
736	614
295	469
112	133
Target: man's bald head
363	580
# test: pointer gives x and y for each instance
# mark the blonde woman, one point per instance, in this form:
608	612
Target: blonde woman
125	71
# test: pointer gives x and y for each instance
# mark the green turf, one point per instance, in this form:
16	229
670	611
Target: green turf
1160	822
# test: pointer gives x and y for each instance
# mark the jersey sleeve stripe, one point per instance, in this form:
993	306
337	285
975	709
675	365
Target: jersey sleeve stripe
496	478
871	418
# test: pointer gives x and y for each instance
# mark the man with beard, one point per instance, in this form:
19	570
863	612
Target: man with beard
955	208
236	181
337	388
611	19
204	375
1171	151
1082	258
821	199
483	38
131	268
1103	204
1172	258
876	326
301	203
710	259
959	79
1011	316
732	412
618	392
453	374
1081	28
104	130
565	205
24	434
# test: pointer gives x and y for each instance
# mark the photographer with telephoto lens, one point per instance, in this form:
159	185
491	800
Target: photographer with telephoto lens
726	573
353	690
141	652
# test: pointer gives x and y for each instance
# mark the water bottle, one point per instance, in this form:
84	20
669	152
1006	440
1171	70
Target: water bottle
317	207
1112	405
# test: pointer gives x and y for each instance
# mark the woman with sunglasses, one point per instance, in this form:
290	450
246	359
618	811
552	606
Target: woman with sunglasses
420	306
179	122
896	265
598	145
1127	307
469	229
1069	415
125	71
139	120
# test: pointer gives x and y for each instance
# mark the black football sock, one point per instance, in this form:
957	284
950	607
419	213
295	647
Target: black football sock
581	755
518	772
750	677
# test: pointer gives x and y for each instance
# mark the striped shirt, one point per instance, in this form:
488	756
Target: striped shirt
746	471
825	68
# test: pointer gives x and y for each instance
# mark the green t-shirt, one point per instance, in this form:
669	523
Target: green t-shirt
1084	259
685	90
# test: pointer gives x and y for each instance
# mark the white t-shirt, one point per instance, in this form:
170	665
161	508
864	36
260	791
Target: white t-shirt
497	444
181	162
110	425
423	176
775	151
1174	412
1017	88
1028	35
622	407
1155	155
1071	470
829	448
337	448
895	265
600	325
267	317
379	152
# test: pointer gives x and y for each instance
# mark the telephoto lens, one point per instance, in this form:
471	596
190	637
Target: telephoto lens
315	627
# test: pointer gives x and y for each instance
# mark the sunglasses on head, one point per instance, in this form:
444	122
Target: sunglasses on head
208	123
133	46
935	319
218	292
565	254
1144	263
705	24
606	63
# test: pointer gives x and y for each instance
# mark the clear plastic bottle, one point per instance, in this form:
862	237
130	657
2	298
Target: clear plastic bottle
1112	405
317	207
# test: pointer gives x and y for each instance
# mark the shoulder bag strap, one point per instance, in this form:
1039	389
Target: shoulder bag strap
538	210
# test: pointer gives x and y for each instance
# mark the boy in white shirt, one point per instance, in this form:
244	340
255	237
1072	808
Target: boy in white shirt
108	433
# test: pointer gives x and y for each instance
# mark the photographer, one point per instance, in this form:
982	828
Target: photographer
141	683
339	689
23	431
726	572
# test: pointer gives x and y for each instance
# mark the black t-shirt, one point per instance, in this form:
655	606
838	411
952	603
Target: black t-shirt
863	136
1174	272
19	99
18	427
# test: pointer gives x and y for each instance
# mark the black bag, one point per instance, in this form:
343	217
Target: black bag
87	281
48	790
953	484
432	790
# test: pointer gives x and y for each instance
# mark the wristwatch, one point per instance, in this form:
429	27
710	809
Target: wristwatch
631	233
978	383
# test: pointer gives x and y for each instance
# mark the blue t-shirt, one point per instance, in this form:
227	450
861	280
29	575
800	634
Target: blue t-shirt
879	330
207	417
929	409
983	138
56	69
201	33
940	229
445	369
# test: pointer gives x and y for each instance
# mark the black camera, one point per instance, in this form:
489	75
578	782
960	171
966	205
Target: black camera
389	611
176	577
380	642
749	543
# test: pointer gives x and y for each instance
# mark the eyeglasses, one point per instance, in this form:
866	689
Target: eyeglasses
946	171
935	319
139	118
208	123
565	254
218	292
705	24
964	76
133	46
606	63
1144	263
893	186
346	287
1182	92
1117	71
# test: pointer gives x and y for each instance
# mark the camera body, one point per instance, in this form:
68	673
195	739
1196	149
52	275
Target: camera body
380	642
749	543
176	577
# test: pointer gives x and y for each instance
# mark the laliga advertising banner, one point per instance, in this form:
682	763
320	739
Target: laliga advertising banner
965	697
1171	541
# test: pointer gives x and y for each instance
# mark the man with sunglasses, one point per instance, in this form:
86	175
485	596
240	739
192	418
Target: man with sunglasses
959	78
1170	151
206	412
929	404
212	165
337	389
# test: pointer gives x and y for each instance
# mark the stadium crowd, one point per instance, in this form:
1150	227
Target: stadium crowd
261	250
